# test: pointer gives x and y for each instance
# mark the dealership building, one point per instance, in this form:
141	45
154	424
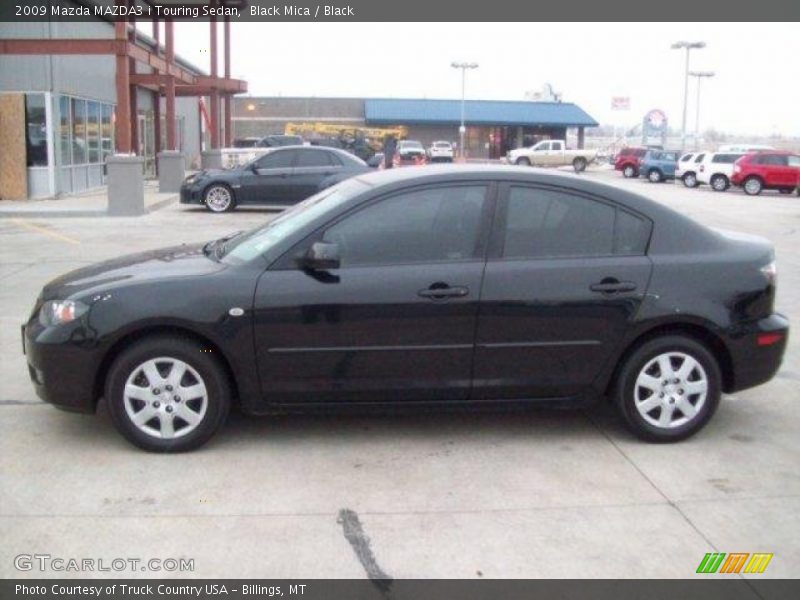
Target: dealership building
75	94
492	127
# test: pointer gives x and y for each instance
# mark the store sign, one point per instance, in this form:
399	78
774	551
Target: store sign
620	103
654	128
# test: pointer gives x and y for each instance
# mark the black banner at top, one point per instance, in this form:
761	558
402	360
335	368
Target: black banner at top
401	10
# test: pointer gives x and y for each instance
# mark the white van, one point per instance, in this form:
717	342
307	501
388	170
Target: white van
716	169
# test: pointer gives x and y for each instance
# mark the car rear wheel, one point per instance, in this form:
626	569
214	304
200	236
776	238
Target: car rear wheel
628	171
579	164
654	175
689	180
167	394
668	388
219	198
753	186
523	162
720	183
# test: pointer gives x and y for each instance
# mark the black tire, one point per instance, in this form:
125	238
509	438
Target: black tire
624	389
523	162
212	374
579	164
719	183
689	180
629	171
655	176
753	186
219	188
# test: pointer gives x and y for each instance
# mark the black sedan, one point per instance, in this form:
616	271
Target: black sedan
447	286
280	176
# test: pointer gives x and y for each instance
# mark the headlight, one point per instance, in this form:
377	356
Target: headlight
191	179
770	271
58	312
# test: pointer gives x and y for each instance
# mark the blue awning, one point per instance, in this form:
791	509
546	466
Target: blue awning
380	111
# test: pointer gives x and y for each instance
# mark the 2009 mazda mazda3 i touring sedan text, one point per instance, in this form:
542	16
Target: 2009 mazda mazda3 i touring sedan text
439	286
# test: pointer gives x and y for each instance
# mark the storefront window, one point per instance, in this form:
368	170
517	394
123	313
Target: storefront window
78	131
93	131
64	128
106	133
36	130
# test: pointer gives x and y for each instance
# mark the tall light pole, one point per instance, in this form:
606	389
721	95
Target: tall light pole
688	46
699	75
463	129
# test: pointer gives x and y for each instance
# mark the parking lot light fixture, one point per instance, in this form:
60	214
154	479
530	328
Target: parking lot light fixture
700	75
688	46
462	129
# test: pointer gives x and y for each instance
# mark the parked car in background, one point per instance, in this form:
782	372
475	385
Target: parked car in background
440	151
767	171
551	153
628	160
716	169
658	165
376	160
279	176
686	169
278	140
246	142
744	148
409	152
432	287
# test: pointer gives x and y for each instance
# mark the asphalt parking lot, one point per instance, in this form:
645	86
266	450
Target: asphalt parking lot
555	494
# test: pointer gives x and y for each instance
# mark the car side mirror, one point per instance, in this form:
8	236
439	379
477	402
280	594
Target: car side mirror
321	256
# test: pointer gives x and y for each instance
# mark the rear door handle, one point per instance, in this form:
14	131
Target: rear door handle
610	285
440	293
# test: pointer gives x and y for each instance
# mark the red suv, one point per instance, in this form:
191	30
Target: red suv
628	161
767	170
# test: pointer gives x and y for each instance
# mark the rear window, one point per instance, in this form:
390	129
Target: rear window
441	144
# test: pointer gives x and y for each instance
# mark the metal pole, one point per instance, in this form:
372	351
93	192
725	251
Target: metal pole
685	100
697	116
462	129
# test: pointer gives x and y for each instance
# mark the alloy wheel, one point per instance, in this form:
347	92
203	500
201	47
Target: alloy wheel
719	183
218	198
628	172
654	176
752	186
689	180
165	398
670	390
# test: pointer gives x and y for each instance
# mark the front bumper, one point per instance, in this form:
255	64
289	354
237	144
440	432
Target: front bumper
62	364
191	194
755	362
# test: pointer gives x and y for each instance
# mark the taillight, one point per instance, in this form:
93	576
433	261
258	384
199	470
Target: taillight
770	271
767	339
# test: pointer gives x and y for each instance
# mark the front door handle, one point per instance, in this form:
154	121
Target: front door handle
611	285
440	292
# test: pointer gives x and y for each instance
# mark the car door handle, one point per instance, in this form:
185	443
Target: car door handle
441	292
610	285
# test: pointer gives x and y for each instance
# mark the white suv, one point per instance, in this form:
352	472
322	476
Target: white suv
441	151
686	170
716	169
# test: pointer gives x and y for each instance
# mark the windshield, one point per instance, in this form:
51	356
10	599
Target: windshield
256	242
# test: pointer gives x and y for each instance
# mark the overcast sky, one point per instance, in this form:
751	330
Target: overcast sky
756	88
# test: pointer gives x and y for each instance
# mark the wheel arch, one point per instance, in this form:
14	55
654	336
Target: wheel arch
694	330
226	184
152	330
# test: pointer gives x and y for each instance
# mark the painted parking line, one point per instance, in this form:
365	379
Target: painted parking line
44	231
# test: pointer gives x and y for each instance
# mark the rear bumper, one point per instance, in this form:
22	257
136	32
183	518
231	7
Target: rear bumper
62	364
754	361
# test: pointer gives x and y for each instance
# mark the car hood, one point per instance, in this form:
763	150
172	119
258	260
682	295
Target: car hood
187	260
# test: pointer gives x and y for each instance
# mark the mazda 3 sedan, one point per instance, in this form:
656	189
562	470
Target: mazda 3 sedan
446	286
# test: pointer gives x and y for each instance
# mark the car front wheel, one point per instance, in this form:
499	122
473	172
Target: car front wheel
668	389
628	171
579	164
167	394
753	186
523	162
690	180
218	198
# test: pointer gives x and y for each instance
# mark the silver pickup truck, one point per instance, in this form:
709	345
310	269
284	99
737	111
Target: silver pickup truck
551	153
